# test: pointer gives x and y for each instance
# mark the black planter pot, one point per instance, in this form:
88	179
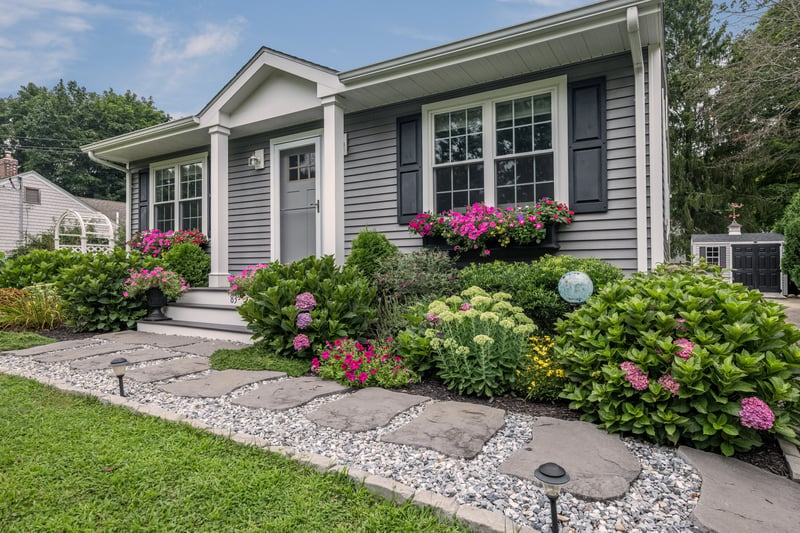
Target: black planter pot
514	252
156	300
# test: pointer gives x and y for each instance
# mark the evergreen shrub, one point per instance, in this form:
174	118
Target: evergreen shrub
189	261
370	247
682	357
299	306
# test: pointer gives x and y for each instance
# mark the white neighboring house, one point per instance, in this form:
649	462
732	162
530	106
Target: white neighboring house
31	205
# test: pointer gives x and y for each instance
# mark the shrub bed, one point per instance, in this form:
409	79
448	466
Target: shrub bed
38	266
679	356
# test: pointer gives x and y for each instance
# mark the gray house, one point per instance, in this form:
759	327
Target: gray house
292	159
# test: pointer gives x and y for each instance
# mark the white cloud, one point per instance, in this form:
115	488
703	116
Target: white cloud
210	40
417	36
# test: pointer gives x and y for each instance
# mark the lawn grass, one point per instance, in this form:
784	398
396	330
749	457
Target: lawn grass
70	463
257	357
11	340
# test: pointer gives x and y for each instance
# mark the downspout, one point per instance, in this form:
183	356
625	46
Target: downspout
21	210
635	39
127	170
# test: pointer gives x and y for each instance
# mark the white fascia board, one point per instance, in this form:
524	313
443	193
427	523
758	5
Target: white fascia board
159	131
583	19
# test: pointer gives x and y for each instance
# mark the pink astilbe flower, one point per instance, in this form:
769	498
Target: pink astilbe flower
687	346
756	414
303	320
635	376
669	383
301	341
305	302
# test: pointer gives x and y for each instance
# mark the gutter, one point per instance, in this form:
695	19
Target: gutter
127	171
635	39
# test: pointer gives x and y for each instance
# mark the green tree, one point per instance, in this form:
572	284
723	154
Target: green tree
695	48
43	129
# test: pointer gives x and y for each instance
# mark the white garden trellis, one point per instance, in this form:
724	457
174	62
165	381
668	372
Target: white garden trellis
84	233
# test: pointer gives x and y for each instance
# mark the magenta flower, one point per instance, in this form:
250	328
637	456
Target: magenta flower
669	383
756	414
303	320
635	376
315	365
465	306
301	341
305	301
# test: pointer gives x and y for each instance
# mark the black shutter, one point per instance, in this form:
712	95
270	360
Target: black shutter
588	180
409	168
723	256
144	189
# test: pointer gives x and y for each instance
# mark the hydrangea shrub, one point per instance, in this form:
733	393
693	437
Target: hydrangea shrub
299	306
683	357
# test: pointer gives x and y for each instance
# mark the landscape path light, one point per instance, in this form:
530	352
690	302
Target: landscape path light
552	476
119	365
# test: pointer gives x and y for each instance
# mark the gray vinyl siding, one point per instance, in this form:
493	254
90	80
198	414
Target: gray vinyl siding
371	172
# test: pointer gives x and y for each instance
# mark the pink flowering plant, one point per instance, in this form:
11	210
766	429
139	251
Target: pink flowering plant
155	242
682	357
356	364
241	283
140	280
480	226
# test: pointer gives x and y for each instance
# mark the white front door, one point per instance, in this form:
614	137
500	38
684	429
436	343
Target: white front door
298	202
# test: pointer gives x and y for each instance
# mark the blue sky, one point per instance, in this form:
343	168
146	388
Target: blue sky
181	52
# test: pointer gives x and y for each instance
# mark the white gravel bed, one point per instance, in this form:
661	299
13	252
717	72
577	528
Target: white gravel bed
661	499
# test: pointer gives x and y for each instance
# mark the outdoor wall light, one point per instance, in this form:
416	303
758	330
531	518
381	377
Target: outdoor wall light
552	476
119	365
256	161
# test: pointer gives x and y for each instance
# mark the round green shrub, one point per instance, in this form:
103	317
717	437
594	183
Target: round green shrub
190	262
676	356
37	266
299	306
370	247
92	291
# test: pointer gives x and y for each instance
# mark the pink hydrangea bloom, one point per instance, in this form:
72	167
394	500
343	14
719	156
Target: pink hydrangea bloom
669	383
756	414
687	346
301	341
303	320
305	301
635	376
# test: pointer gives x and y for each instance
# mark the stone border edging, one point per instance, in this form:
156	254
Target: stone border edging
477	519
792	455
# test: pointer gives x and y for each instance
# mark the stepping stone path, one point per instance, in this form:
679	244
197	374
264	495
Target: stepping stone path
141	337
452	428
53	347
605	473
288	393
219	383
366	409
104	361
168	369
81	352
206	348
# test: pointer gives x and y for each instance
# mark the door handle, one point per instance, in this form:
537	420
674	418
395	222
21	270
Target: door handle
315	204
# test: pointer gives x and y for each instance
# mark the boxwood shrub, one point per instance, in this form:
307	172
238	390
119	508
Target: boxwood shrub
299	306
682	357
92	289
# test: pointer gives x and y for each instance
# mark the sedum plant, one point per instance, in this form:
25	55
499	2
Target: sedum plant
299	306
478	341
682	357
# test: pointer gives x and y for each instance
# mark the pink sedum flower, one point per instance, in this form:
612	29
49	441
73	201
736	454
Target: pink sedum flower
756	414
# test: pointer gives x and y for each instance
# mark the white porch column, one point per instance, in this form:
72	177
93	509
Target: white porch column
218	218
331	192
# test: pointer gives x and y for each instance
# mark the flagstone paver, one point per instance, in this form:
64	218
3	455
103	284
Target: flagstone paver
152	339
139	356
219	383
603	474
52	347
169	369
453	428
208	347
366	409
288	393
81	352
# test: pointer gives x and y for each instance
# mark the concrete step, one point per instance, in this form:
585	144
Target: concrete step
209	313
206	296
205	330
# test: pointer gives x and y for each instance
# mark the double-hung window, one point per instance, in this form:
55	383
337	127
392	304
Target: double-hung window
179	189
503	147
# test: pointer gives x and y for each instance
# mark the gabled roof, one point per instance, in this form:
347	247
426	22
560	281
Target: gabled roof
700	238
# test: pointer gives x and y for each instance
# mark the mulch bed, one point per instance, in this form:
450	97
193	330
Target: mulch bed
768	457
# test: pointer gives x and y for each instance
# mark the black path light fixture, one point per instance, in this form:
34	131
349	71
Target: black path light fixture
552	476
119	365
